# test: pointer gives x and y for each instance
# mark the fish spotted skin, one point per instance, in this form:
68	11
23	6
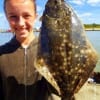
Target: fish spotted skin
65	56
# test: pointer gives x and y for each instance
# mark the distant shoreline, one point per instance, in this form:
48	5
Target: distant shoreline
86	29
92	29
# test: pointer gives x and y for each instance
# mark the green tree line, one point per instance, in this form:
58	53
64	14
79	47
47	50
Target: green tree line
92	25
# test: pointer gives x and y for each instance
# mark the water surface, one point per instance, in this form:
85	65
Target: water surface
93	36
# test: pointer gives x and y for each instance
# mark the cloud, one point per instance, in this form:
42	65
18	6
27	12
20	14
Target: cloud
78	2
82	2
94	2
38	22
88	18
1	15
39	8
3	20
87	14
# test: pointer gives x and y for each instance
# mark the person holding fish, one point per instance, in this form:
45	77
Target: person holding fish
54	66
19	80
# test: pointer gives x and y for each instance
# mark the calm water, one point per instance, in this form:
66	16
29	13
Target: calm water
93	36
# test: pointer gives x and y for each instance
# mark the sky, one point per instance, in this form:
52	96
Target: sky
87	10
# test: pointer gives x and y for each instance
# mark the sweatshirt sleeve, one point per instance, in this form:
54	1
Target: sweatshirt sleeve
1	89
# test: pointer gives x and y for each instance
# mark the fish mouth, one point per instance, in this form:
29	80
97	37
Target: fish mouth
55	6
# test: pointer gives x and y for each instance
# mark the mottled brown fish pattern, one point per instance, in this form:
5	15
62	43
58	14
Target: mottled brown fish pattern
65	56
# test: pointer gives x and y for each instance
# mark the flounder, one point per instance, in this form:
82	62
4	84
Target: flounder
65	56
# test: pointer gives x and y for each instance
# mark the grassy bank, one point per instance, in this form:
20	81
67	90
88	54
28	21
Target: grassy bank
93	27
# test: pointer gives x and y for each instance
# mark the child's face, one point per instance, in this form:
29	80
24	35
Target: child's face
21	15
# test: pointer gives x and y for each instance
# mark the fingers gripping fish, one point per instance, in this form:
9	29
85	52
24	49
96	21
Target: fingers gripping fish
65	56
